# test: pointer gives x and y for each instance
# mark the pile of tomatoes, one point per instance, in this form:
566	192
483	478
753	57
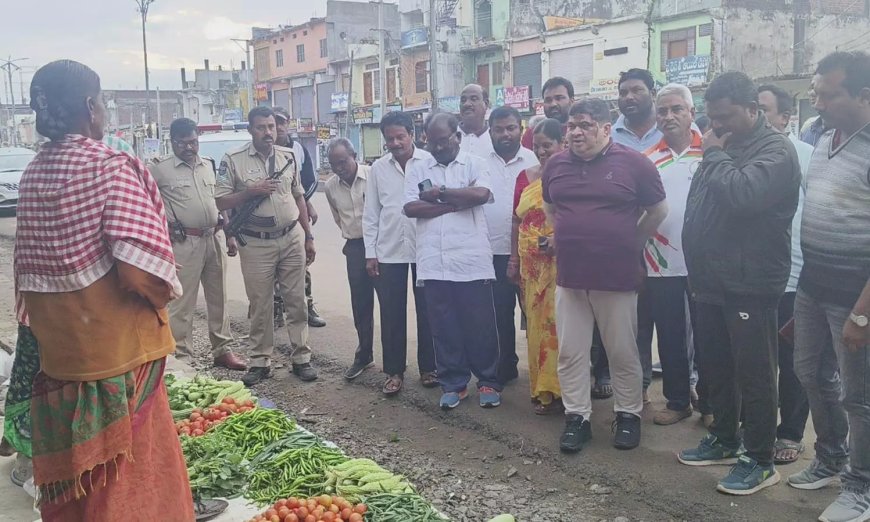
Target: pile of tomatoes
200	421
318	509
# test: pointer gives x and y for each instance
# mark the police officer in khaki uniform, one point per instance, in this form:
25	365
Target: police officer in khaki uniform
278	241
187	184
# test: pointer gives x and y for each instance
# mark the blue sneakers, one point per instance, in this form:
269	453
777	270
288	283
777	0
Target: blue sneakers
450	400
710	451
489	397
748	477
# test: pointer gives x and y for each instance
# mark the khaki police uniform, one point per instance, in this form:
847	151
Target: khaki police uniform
188	195
275	250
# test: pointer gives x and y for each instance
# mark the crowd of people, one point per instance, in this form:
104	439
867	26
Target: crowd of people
743	248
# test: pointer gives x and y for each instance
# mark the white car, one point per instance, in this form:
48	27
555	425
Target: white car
215	145
13	161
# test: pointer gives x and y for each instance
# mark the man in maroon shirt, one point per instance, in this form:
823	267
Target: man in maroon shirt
604	200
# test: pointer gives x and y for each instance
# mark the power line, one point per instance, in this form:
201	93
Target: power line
819	30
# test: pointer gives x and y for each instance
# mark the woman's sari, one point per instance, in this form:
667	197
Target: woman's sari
16	425
538	281
106	449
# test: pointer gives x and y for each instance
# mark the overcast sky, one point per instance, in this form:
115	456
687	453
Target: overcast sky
106	35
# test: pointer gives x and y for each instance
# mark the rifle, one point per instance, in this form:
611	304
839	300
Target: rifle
244	214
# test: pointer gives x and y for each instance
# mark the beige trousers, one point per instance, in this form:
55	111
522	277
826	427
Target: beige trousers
202	260
265	261
577	311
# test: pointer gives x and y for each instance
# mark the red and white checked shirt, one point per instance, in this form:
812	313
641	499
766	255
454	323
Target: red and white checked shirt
81	207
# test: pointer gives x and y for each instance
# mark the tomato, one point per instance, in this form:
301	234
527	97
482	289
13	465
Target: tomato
302	512
248	403
356	517
293	502
361	509
329	516
270	512
195	416
291	518
274	519
228	400
311	518
283	512
346	512
334	508
318	512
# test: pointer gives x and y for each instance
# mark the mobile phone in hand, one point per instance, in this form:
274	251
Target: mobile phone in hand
424	185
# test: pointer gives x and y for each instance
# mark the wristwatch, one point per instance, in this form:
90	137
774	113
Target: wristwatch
860	320
309	237
441	191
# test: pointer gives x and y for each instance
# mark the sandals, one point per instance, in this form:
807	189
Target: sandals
6	449
783	445
429	379
208	509
392	385
554	406
602	391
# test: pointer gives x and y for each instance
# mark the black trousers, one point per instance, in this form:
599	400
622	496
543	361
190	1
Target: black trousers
661	305
462	317
794	408
505	295
362	298
704	406
392	289
739	365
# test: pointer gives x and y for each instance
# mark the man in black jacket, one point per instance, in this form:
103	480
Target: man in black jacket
309	184
736	240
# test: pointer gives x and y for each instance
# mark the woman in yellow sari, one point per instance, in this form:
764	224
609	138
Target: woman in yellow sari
533	267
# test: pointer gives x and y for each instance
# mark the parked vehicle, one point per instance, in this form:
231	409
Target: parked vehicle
13	161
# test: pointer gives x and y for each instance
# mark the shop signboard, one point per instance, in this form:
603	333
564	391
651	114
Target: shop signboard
338	102
688	70
605	88
516	97
415	37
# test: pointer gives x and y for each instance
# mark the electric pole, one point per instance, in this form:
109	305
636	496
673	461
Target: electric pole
382	58
249	72
142	7
8	65
433	55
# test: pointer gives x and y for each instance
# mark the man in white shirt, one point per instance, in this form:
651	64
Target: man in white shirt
446	195
390	249
794	408
345	193
505	163
473	104
662	302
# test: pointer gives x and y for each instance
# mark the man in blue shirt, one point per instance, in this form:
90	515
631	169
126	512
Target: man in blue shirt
636	126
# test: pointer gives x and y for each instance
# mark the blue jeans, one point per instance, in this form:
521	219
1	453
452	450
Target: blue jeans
837	383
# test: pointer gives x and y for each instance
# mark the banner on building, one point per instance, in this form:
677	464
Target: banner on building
538	107
293	125
605	88
688	70
551	23
306	125
261	91
417	102
338	102
363	115
449	103
516	97
415	37
323	132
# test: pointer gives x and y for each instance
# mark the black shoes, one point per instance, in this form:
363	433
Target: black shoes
356	369
577	433
626	430
256	375
314	318
305	372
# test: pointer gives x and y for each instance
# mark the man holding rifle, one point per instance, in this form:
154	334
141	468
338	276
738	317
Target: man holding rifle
260	183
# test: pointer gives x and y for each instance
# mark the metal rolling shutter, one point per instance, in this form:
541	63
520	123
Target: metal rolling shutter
527	71
575	64
281	98
303	102
324	102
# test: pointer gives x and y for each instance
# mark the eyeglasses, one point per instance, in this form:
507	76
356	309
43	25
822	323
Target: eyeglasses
584	126
187	144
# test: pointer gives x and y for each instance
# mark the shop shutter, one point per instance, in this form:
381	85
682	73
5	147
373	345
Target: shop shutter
575	64
303	102
371	142
527	71
324	102
281	98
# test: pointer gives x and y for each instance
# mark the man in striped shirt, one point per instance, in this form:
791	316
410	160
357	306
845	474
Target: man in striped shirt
662	303
833	296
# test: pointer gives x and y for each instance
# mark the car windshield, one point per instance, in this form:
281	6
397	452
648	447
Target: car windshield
15	161
216	149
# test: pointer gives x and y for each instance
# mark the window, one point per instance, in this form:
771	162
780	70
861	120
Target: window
677	44
497	73
421	76
279	58
345	82
391	84
304	33
300	53
483	20
282	38
323	51
261	64
294	36
371	87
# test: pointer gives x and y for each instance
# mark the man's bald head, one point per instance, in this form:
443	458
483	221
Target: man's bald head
473	102
442	137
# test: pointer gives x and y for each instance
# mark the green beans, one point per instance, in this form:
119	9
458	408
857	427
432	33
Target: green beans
253	430
402	507
293	472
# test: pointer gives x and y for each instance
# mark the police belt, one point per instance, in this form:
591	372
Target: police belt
269	235
199	232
